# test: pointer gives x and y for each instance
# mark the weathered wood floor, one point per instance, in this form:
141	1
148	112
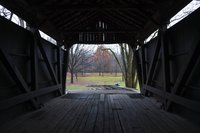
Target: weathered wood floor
108	111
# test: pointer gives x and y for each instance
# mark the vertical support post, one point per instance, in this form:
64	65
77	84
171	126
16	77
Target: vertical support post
143	68
34	67
37	38
65	66
138	66
59	65
153	63
143	64
165	62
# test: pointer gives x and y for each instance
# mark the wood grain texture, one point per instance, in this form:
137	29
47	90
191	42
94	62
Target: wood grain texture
92	111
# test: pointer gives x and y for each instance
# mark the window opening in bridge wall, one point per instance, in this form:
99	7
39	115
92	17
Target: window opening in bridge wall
183	13
187	10
4	12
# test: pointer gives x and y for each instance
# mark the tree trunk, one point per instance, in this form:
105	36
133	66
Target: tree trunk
76	75
72	77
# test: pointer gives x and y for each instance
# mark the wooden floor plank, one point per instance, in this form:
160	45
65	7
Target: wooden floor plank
70	119
97	111
99	125
173	121
90	124
82	113
26	119
85	118
123	118
106	116
144	121
157	121
102	97
133	120
114	116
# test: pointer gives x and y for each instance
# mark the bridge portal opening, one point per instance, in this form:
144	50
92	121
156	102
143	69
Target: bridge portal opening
96	66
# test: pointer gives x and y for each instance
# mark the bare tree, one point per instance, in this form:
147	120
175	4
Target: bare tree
127	65
79	60
102	60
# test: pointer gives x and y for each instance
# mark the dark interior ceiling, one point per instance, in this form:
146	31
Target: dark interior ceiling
66	19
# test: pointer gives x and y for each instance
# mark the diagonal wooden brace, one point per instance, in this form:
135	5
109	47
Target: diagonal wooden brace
15	74
46	59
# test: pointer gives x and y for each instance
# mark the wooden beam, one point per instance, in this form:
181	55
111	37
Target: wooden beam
34	66
190	104
121	19
59	65
84	26
143	68
131	18
68	18
27	96
65	16
65	68
143	64
80	20
102	42
15	74
93	7
101	31
165	63
153	62
112	24
117	21
139	66
186	71
46	59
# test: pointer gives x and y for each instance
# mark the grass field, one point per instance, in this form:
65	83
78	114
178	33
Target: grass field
94	79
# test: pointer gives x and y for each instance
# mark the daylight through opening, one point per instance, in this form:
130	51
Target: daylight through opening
92	66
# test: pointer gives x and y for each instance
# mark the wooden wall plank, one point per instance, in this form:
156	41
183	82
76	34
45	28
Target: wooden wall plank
46	59
194	105
15	74
27	96
185	73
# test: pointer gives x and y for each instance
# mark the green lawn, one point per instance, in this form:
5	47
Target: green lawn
94	79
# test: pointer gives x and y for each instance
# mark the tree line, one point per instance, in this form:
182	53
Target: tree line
84	59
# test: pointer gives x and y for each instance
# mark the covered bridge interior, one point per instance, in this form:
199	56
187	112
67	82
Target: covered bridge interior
33	71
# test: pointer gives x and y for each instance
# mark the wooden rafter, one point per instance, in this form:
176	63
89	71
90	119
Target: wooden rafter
79	21
54	15
120	23
116	16
130	18
92	7
67	18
